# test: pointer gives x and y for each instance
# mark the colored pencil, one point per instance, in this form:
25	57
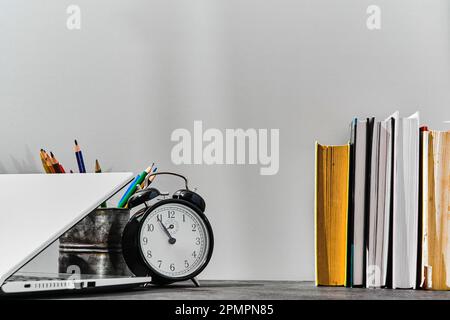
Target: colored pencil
62	168
44	165
127	196
43	160
133	183
55	163
79	155
98	169
49	162
153	177
146	183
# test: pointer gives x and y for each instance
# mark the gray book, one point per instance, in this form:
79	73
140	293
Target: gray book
381	207
361	146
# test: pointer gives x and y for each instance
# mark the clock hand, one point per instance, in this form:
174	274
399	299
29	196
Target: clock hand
172	240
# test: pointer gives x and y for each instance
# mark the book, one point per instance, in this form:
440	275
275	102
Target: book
331	214
422	130
435	188
378	245
406	198
360	160
382	207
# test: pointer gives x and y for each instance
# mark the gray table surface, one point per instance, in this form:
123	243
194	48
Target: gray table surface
243	290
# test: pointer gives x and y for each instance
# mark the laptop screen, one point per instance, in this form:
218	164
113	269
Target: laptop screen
38	208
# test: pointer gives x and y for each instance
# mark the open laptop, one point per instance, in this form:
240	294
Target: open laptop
35	210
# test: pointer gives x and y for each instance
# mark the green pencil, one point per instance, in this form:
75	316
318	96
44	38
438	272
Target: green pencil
132	190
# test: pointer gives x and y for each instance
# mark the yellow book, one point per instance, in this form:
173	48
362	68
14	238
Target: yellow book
436	210
331	214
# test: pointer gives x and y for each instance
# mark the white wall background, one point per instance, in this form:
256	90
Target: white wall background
139	69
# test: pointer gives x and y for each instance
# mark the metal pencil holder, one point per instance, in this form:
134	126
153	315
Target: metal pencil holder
94	245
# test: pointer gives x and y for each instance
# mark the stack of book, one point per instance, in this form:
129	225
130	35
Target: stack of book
382	207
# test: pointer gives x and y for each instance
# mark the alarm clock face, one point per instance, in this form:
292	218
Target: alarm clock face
174	241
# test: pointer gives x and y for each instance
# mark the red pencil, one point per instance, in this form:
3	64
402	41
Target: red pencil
56	165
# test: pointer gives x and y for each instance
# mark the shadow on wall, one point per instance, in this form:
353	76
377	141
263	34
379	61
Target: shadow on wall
2	168
27	164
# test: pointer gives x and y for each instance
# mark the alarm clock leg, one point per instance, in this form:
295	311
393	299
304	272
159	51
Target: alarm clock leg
196	283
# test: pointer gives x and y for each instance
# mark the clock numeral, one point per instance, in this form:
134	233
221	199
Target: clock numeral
145	240
194	254
150	227
186	264
172	267
184	218
159	217
171	214
197	241
194	227
159	263
149	254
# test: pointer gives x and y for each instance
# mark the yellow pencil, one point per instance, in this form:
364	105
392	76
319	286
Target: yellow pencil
43	160
98	169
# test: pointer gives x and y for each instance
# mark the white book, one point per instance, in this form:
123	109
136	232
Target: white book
406	199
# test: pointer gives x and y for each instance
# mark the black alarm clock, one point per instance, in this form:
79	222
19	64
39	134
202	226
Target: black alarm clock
171	240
